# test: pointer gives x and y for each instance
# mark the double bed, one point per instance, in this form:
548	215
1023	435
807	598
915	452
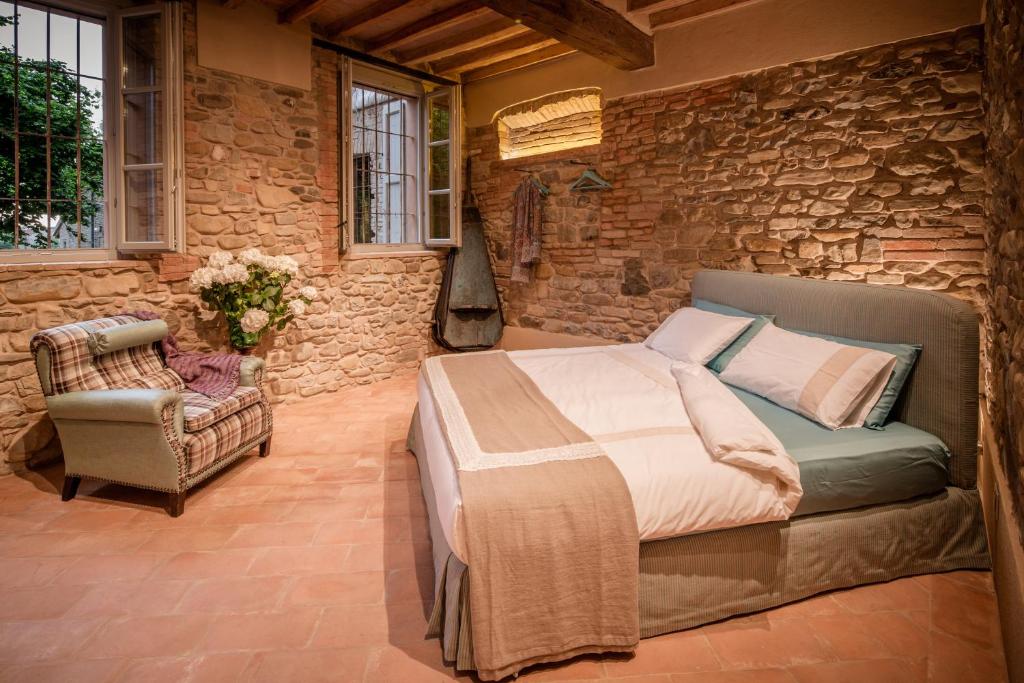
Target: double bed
718	540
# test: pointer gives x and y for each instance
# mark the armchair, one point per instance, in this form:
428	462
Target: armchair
123	416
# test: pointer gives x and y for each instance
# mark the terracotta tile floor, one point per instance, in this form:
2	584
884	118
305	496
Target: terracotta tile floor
314	564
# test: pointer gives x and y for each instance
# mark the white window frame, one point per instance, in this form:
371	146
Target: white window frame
174	134
353	71
113	135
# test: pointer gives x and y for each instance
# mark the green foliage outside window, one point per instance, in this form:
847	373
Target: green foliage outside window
71	105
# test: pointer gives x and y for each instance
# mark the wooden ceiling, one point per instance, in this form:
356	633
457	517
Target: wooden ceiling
469	40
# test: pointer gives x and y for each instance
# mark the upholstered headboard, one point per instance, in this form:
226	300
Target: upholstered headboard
941	396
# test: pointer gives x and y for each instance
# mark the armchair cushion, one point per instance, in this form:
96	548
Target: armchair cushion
202	411
207	446
72	366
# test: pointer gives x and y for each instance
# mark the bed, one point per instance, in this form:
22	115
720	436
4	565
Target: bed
876	505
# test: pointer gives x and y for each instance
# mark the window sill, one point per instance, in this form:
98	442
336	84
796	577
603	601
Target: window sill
385	253
71	265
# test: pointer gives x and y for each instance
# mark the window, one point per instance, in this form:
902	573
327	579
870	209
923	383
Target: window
555	122
62	147
398	182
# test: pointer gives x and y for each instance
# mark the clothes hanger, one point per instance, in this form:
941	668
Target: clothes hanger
590	180
544	189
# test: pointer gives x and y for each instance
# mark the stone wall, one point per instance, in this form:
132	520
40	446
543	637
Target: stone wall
261	168
866	166
1004	99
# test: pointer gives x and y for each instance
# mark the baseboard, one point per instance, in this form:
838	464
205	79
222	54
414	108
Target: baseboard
1006	550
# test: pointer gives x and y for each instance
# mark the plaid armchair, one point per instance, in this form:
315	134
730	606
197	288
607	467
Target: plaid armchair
123	416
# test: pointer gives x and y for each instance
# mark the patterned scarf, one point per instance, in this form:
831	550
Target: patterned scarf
526	229
212	374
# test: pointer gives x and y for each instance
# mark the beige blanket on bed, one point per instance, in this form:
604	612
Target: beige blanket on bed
550	528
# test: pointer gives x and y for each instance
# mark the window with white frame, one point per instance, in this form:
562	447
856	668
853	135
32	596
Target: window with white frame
399	141
90	122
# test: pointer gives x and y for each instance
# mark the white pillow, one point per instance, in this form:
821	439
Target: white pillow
833	384
694	335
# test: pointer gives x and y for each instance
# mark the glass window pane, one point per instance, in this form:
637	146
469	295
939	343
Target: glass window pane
91	151
142	45
90	36
143	129
439	173
63	42
6	224
92	226
64	91
31	100
33	225
91	107
440	117
144	206
440	216
7	29
63	168
7	95
31	25
64	222
31	167
6	165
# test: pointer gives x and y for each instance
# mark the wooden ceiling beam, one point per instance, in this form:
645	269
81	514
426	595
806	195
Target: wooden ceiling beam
478	36
299	10
491	54
529	59
691	10
435	21
585	25
372	12
648	6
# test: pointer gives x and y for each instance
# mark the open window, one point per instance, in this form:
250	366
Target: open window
152	207
399	163
90	130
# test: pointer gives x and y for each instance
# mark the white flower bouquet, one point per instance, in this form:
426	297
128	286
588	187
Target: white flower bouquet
250	291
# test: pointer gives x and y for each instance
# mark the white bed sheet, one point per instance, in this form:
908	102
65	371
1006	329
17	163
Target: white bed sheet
626	398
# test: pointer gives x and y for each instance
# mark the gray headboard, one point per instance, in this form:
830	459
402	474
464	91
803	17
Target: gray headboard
941	396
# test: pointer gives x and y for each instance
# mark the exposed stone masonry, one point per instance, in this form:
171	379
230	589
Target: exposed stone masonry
1004	99
867	166
260	164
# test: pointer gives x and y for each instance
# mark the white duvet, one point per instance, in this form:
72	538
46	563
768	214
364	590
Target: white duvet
729	472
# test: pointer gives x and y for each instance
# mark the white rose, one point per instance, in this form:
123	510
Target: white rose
219	259
296	307
250	256
254	320
235	272
308	292
202	278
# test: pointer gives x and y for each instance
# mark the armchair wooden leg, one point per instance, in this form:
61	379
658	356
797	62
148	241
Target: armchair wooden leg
176	503
265	448
70	488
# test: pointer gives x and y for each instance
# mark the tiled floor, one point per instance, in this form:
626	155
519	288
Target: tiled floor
314	564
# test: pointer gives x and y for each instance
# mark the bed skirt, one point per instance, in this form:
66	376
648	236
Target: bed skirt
700	578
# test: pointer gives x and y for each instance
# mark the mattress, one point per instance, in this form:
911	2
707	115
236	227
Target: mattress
854	467
838	470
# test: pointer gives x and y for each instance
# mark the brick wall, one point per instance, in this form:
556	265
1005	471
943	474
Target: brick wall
866	166
1004	99
261	169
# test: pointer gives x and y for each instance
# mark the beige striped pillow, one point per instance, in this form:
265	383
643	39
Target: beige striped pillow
833	384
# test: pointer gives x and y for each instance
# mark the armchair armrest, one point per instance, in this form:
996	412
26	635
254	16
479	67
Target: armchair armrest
118	405
251	371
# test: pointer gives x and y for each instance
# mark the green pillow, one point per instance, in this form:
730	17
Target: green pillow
906	356
718	363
